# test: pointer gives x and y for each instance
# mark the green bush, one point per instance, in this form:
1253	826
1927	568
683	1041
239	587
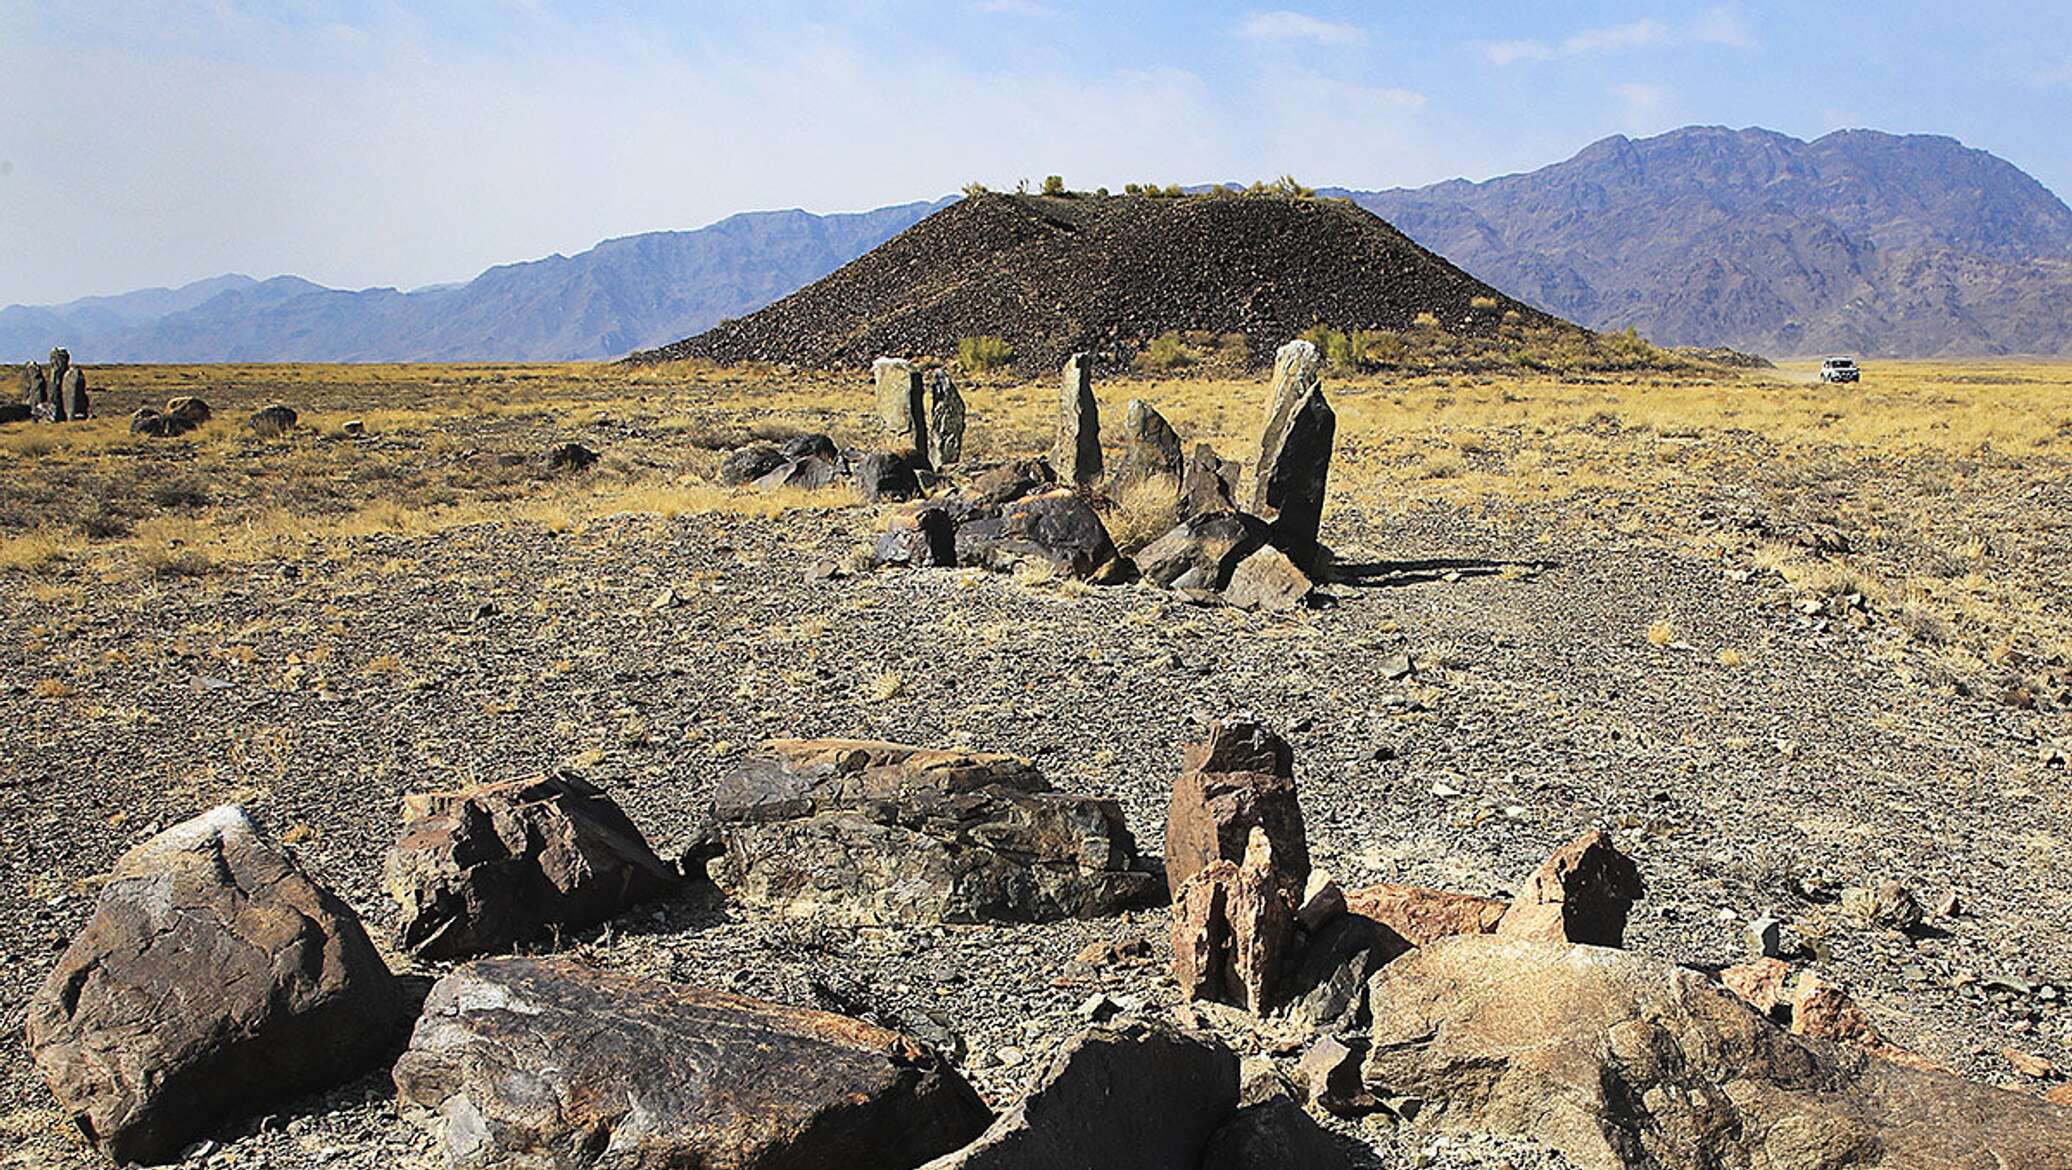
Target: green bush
986	352
1053	184
1168	351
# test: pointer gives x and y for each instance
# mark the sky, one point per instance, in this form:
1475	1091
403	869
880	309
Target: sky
376	142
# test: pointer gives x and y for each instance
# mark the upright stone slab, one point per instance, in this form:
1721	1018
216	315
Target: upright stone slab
900	404
1078	451
60	361
72	401
1209	483
35	386
1151	449
945	425
1295	454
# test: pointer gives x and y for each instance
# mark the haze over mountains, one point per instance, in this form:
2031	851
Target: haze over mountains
1858	242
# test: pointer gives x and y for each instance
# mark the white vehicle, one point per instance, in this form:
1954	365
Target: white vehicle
1839	370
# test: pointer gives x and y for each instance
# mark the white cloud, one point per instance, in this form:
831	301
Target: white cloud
1016	8
1717	26
1297	26
1644	107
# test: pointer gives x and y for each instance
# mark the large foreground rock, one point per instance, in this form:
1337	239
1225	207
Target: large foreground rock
877	833
1232	928
1131	1097
1622	1063
528	1064
1422	915
1057	527
485	868
213	980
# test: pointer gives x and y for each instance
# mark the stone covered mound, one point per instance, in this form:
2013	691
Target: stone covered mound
1055	275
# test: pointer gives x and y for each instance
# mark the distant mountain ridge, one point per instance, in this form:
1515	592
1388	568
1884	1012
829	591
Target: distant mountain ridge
1857	242
619	296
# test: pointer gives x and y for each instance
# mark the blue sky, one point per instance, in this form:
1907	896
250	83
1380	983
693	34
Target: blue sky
394	143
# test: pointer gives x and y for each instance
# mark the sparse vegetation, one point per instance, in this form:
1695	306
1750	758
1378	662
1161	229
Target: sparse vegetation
1054	185
981	354
1167	353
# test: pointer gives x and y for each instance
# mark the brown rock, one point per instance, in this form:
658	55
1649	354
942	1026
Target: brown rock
1132	1096
1822	1011
1581	894
2029	1064
213	980
1232	926
1237	778
1330	1074
1622	1062
1267	579
485	868
876	833
1421	915
1759	982
1295	454
902	404
1887	904
519	1064
1077	454
2060	1095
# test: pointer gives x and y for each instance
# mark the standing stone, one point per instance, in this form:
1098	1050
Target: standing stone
1151	449
72	401
900	404
1232	928
35	385
1209	483
1581	894
1240	777
213	981
1078	451
60	361
945	426
1295	453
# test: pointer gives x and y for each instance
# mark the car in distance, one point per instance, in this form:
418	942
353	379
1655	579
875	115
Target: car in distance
1839	370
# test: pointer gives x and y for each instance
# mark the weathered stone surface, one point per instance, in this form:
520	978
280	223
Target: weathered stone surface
1011	481
1326	987
1056	526
14	412
60	364
1134	1096
1759	983
1201	551
73	400
483	869
810	446
1621	1062
190	409
1267	579
1886	903
149	420
1823	1011
1232	928
1239	776
570	457
1329	1072
877	833
810	472
902	405
35	384
1581	894
919	536
945	429
1295	454
213	980
748	464
882	475
1274	1134
530	1064
1077	454
1150	450
270	421
1421	915
1209	483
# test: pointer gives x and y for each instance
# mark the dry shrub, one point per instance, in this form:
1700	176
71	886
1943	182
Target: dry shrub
1145	512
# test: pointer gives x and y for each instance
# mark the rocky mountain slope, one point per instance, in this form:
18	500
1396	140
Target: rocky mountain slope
1056	274
623	294
1858	242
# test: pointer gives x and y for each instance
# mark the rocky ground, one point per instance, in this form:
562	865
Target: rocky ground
1488	686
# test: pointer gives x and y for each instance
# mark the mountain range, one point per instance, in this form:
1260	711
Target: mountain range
1857	242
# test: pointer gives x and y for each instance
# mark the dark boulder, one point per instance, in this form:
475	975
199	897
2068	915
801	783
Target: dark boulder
882	475
72	400
35	385
1209	483
810	447
1274	1134
1056	526
945	428
273	421
189	409
570	457
1133	1096
878	834
214	980
1077	453
1201	551
1150	450
519	1064
749	464
486	868
811	472
1326	987
1011	481
920	536
14	412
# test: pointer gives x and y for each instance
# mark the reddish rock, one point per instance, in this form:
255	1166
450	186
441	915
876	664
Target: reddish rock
1238	778
1823	1011
1421	915
1232	926
1582	894
2060	1095
1759	982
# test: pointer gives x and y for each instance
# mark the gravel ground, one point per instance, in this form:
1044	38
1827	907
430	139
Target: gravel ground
1830	756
